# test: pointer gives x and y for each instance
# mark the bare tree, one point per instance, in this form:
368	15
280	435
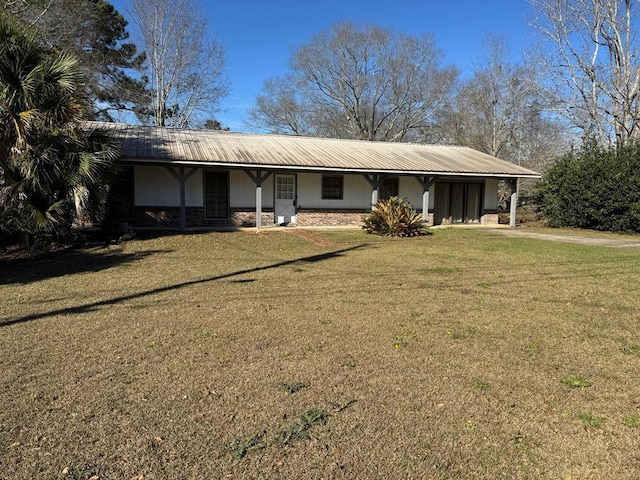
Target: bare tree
593	65
186	70
365	83
280	109
499	109
495	103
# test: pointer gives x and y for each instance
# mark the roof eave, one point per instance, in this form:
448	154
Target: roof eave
304	168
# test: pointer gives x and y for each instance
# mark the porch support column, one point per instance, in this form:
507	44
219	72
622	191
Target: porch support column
375	181
258	179
182	178
426	182
514	203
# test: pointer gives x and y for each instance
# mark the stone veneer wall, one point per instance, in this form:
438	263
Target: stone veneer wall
169	217
157	217
429	218
307	217
489	217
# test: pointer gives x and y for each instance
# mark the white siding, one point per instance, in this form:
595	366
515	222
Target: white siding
194	189
155	186
491	194
243	190
409	188
356	192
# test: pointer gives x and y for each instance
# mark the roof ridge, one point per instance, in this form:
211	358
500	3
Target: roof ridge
269	135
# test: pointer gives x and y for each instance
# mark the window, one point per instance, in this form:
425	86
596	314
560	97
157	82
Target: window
284	187
216	194
388	188
332	187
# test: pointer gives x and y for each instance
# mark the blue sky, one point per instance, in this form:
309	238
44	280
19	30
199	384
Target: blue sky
259	35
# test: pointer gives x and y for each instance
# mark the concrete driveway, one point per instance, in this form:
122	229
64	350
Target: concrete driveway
617	241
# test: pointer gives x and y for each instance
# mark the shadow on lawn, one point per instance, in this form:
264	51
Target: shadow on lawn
25	271
94	305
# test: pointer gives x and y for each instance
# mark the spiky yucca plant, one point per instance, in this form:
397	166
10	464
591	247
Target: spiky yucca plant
394	217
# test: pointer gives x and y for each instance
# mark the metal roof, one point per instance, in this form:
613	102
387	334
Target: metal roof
180	146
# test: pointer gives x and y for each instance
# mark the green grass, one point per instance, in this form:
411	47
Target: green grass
240	447
243	355
590	420
481	385
632	421
631	349
575	382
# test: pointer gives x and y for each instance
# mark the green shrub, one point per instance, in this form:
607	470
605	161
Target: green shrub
394	217
597	189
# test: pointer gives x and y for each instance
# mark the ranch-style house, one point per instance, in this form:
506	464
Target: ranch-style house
187	178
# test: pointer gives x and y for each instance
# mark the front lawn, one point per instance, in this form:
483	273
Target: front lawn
338	355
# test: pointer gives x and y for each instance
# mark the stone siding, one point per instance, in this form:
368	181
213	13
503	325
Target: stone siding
489	217
169	217
429	218
307	217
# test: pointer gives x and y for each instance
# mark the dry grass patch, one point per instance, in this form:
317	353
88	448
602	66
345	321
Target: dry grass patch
269	356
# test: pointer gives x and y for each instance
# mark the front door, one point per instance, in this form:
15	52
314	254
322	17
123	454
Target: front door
285	204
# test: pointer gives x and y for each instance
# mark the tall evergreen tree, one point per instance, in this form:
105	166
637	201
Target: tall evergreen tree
96	34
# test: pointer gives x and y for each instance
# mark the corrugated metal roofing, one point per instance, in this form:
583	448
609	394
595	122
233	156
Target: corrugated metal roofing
218	148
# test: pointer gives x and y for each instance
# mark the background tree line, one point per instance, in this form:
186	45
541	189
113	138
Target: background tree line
366	81
590	74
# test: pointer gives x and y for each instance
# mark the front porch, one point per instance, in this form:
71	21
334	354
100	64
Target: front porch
182	197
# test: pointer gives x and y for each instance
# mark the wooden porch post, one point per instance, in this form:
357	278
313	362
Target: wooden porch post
258	179
259	205
375	181
182	179
514	203
426	182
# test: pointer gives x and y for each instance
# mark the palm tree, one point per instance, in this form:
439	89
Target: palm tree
46	151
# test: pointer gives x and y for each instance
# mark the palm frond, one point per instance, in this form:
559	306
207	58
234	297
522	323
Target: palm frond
46	152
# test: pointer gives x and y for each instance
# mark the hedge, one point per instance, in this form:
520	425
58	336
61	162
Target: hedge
597	189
